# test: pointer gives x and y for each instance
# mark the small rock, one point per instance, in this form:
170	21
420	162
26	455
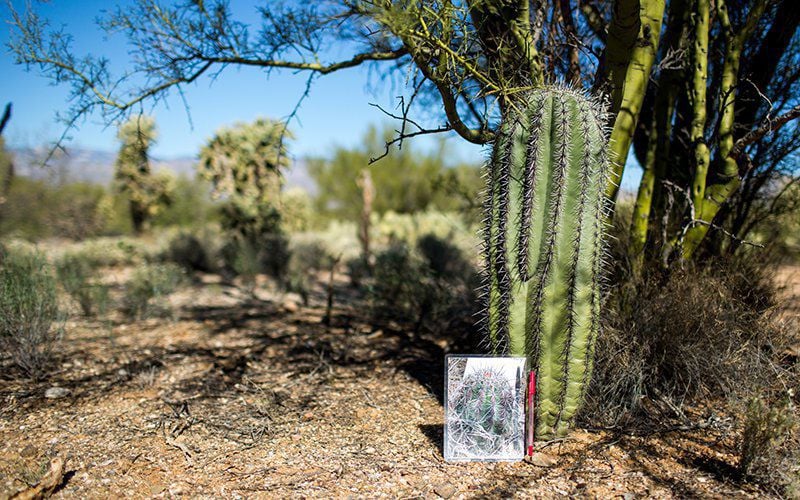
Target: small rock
540	459
56	392
28	452
628	496
444	490
122	372
369	451
290	306
296	437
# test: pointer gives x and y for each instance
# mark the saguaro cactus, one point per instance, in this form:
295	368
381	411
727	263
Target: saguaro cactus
543	245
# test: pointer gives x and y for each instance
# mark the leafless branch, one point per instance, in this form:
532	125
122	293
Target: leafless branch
768	127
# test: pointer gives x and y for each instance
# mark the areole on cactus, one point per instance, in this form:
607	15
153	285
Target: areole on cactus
543	245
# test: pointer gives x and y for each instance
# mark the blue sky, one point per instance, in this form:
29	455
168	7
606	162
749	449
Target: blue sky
337	111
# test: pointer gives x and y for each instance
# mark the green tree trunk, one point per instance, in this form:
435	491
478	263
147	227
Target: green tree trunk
633	38
727	174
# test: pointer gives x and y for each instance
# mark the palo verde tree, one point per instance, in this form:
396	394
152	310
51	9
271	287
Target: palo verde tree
147	193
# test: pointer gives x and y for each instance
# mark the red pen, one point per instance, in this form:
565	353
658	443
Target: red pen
531	411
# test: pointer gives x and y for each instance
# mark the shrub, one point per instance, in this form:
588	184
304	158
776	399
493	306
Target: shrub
405	287
187	251
444	259
766	429
147	283
255	229
107	252
358	270
674	338
77	276
28	311
307	259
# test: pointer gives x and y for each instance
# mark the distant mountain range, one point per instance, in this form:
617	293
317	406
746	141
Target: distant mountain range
87	165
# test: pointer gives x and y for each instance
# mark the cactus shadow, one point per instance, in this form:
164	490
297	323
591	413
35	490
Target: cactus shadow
435	434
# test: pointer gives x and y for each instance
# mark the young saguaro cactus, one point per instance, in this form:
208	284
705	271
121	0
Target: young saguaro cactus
543	248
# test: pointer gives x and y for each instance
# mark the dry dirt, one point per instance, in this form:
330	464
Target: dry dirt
240	396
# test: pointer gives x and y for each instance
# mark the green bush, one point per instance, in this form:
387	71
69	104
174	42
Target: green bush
28	312
255	231
405	287
358	270
148	282
766	430
36	209
242	260
78	278
110	252
189	252
307	259
191	204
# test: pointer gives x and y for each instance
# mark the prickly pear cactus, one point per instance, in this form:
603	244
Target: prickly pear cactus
543	245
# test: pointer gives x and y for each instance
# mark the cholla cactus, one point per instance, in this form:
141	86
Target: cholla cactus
246	160
543	245
147	193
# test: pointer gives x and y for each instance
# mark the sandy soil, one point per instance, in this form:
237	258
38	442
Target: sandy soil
256	397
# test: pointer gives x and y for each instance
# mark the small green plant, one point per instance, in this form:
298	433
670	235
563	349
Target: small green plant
28	311
78	278
766	429
147	283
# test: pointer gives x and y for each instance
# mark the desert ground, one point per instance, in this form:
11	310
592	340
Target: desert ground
238	395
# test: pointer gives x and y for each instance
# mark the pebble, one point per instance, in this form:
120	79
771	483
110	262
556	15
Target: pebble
444	490
56	392
540	459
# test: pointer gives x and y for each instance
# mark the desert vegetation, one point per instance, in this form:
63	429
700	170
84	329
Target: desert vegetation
228	333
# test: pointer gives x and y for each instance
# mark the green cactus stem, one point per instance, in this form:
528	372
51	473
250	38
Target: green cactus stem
545	211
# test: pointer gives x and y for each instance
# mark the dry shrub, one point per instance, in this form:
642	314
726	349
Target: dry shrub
696	333
307	259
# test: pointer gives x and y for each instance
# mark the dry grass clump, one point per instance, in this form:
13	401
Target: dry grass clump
699	335
695	333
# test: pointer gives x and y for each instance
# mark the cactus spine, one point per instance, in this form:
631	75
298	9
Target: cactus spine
543	245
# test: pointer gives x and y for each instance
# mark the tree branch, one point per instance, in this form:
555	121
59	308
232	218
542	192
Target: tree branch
315	67
767	128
